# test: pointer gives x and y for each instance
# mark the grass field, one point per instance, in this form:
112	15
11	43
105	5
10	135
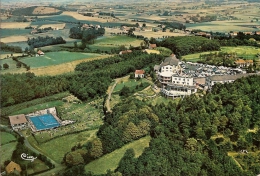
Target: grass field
57	148
223	26
247	52
13	32
12	66
7	151
56	58
111	160
6	138
132	83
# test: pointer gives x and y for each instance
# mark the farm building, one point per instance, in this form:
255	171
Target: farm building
139	73
13	168
40	53
18	121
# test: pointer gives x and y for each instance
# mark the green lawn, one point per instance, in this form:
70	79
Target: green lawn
118	40
56	58
111	160
37	107
247	52
132	83
57	148
6	138
7	151
109	42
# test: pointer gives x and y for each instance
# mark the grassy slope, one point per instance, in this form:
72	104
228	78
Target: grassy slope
111	160
6	138
7	151
57	148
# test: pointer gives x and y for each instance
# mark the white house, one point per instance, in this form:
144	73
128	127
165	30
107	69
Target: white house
18	121
40	53
169	67
139	73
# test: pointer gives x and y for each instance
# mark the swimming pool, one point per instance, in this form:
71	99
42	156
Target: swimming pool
44	122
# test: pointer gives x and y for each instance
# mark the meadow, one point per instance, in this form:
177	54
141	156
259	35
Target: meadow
57	148
247	52
131	83
7	151
56	58
7	138
13	32
111	160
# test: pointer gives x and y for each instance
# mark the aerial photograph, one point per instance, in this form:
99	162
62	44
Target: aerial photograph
130	88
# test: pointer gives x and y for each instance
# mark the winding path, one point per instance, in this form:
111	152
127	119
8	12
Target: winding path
110	91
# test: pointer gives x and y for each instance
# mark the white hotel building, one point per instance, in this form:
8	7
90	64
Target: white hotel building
174	83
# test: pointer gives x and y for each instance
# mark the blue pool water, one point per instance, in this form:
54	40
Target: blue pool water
44	122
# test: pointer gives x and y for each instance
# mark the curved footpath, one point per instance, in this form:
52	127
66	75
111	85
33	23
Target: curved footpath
110	91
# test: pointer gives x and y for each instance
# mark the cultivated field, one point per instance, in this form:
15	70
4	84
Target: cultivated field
111	160
44	10
109	42
13	32
223	26
56	58
14	25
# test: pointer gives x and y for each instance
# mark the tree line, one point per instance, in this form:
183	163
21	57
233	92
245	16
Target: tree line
189	44
44	41
15	49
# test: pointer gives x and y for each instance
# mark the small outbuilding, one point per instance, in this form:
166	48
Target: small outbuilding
139	73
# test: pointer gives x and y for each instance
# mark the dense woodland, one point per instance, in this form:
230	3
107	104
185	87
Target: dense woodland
87	35
44	41
188	45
